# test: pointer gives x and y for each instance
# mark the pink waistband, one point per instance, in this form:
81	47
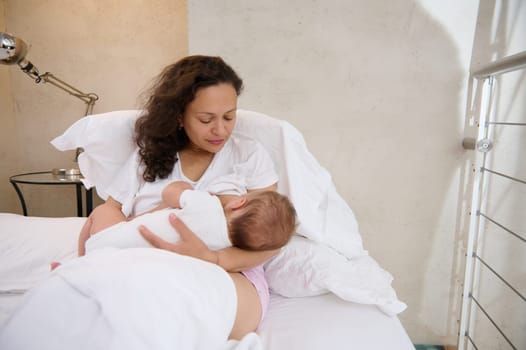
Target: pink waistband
256	276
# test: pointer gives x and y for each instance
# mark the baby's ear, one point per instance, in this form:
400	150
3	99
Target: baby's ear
237	203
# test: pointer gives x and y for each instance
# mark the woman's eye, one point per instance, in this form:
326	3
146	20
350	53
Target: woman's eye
205	121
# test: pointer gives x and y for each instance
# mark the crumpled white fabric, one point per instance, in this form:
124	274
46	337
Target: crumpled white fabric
137	298
306	268
323	216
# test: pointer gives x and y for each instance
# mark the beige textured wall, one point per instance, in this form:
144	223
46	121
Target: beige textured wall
113	48
378	89
10	147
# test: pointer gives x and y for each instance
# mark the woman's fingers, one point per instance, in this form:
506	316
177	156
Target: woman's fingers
184	232
189	243
155	240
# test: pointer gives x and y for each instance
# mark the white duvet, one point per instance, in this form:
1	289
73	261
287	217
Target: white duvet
138	298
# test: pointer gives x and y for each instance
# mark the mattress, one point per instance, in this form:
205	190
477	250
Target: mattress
310	323
328	322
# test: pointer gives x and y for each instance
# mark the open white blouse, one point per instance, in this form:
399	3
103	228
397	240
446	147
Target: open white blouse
242	164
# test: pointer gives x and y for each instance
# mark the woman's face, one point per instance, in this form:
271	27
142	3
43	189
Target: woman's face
210	118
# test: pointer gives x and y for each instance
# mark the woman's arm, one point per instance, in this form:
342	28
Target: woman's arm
231	259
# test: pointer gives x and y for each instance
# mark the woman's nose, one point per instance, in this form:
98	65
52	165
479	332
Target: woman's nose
219	128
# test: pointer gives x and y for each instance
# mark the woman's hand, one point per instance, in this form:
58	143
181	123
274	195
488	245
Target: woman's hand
188	244
231	259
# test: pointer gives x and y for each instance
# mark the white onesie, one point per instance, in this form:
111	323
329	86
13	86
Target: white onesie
200	211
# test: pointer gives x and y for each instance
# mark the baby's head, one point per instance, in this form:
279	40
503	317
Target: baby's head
266	221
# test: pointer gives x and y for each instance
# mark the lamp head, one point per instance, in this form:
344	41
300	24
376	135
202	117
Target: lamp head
12	49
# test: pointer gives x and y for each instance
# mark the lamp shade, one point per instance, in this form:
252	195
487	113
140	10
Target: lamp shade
12	49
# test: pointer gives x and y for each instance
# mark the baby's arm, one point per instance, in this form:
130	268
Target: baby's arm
171	194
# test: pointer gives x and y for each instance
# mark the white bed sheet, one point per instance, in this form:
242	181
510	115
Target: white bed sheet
8	303
329	322
311	323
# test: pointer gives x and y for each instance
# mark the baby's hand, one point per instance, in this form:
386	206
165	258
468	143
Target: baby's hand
172	193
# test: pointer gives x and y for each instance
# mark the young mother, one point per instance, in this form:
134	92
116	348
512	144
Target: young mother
186	134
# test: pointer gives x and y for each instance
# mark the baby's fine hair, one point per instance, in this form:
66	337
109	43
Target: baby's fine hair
158	133
268	222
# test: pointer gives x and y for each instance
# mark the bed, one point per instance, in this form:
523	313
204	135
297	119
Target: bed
327	292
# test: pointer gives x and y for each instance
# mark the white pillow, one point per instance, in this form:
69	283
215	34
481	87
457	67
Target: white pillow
306	268
30	244
107	140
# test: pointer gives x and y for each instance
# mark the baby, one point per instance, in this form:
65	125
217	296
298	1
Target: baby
259	220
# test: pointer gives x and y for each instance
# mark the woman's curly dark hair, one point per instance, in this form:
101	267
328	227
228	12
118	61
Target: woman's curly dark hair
157	132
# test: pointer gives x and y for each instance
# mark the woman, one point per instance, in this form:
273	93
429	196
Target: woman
185	135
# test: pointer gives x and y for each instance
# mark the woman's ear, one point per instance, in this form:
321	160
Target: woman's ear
180	123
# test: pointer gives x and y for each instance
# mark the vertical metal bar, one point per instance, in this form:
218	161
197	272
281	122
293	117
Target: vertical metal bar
78	187
487	132
89	201
474	224
20	196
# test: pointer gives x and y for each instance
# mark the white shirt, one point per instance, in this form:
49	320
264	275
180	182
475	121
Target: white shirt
242	164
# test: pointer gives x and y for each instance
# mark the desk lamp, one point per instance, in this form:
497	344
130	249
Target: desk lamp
13	51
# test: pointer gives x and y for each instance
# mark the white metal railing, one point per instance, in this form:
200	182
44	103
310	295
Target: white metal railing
504	65
486	124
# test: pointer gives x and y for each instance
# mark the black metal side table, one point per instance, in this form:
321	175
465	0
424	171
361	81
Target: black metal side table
48	178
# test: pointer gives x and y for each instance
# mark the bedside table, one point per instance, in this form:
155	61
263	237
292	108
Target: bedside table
48	178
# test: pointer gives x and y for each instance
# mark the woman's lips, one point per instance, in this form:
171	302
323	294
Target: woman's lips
216	142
